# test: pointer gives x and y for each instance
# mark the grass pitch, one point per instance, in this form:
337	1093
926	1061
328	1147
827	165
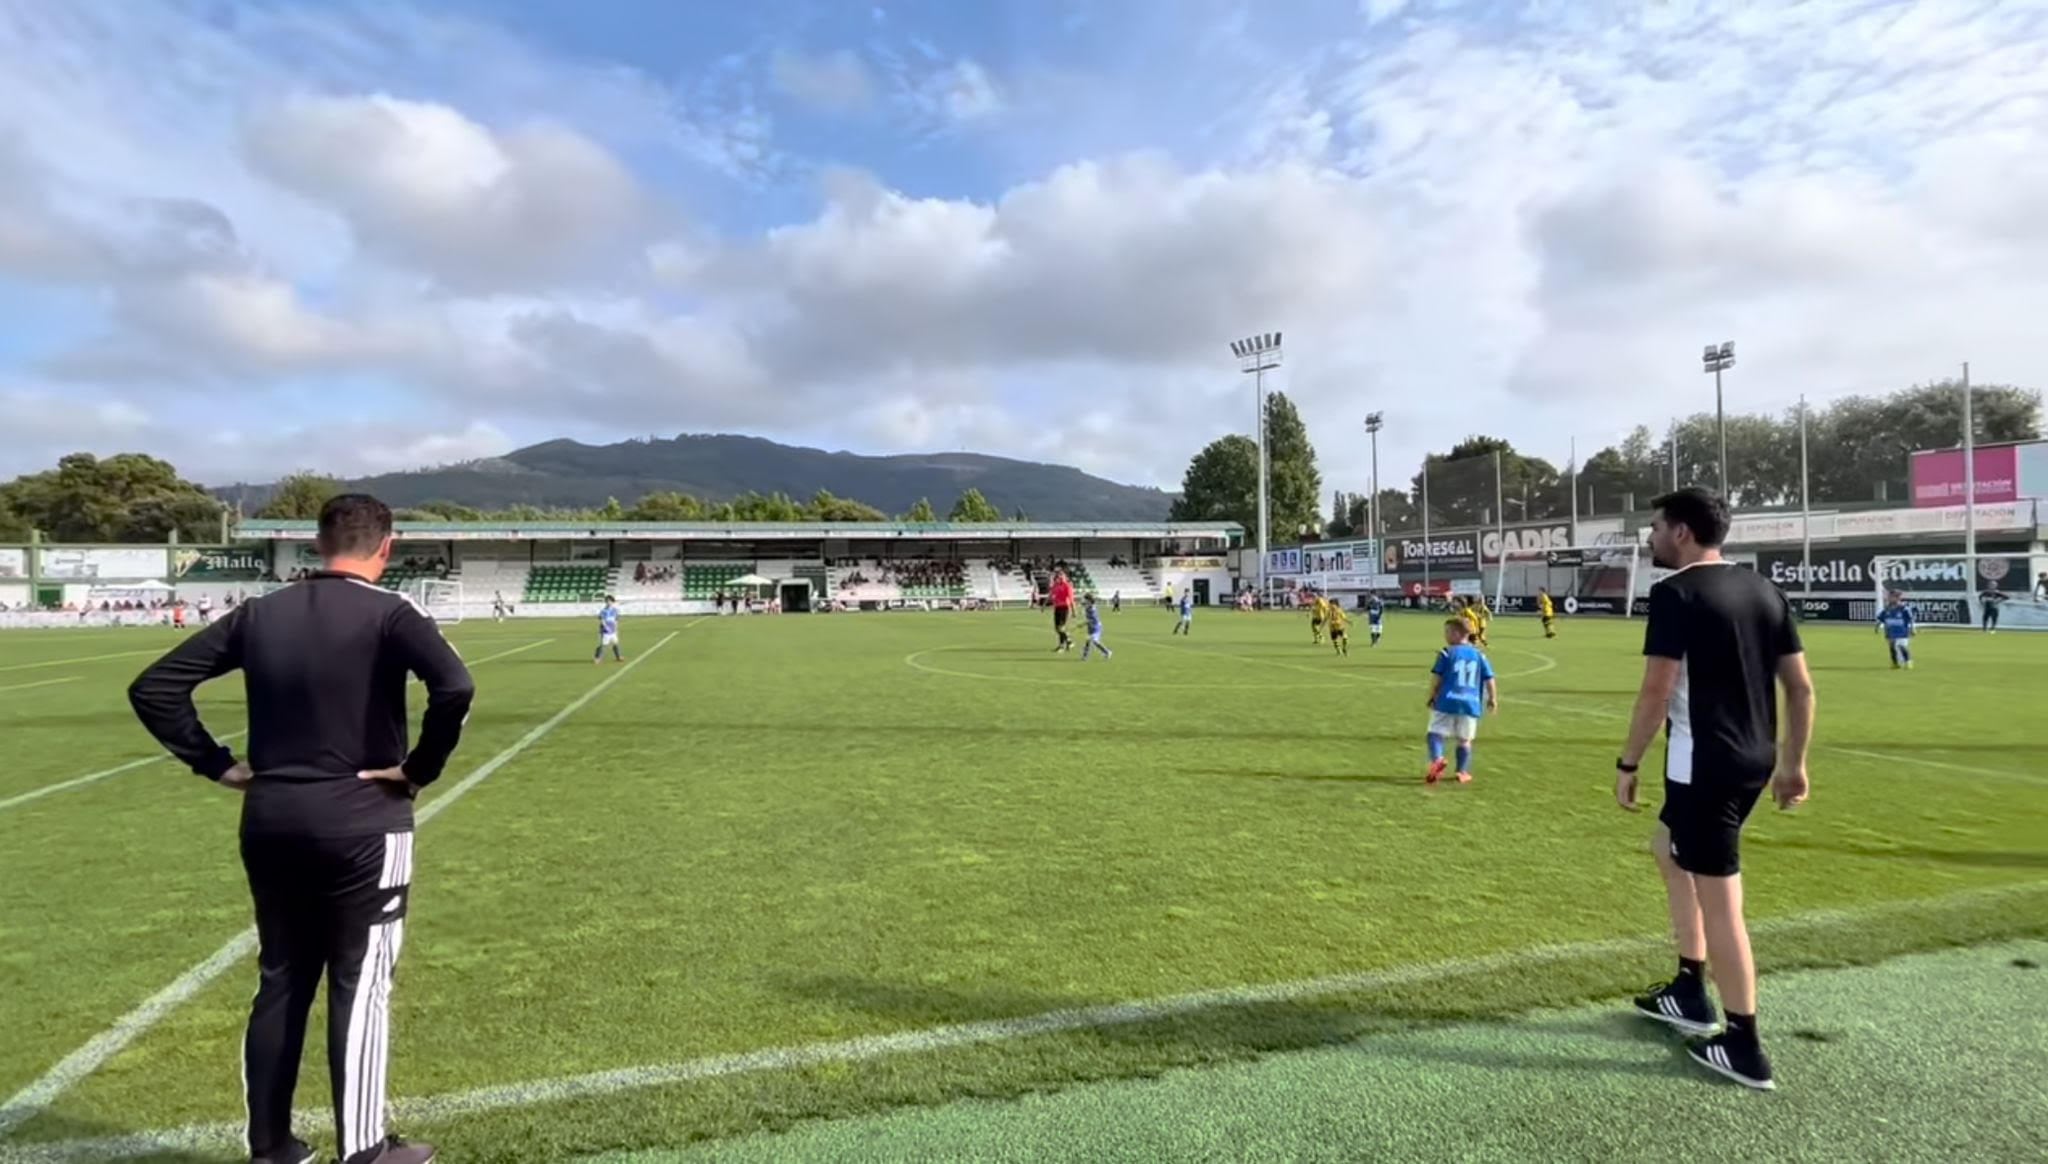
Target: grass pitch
781	833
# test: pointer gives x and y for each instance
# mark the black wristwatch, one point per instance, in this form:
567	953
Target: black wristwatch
1621	765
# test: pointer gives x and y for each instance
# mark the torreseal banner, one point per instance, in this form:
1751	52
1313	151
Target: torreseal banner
1444	554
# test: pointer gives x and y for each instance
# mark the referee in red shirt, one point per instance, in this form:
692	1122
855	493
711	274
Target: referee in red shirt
1062	609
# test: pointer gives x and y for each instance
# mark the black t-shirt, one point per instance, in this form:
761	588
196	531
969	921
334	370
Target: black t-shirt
1729	627
324	663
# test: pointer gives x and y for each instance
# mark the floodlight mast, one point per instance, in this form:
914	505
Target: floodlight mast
1257	355
1374	421
1718	359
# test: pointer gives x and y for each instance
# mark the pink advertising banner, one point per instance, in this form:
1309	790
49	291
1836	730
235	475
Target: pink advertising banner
1938	476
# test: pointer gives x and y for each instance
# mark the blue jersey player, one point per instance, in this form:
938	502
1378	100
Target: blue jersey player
1463	690
1186	625
1093	615
1375	616
1895	622
608	630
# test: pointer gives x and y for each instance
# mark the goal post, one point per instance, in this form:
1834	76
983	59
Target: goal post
1581	579
1953	590
441	599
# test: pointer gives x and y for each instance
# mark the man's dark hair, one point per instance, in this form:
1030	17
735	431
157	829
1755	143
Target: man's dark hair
1700	510
352	525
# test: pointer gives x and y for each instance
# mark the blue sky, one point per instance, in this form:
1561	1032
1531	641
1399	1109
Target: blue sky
363	236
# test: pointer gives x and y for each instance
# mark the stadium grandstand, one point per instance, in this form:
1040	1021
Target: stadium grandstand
469	570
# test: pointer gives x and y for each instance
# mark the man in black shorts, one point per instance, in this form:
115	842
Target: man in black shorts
1721	639
1991	598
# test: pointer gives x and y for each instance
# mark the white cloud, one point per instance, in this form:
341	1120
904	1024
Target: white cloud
1131	260
1528	227
1380	11
835	81
212	444
963	91
425	187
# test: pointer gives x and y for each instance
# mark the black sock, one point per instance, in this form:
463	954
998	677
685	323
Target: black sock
1742	1028
1691	968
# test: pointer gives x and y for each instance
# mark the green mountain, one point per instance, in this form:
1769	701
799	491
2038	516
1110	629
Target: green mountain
718	467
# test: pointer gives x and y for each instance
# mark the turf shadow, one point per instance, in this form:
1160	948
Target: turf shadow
1410	780
63	1128
1229	1032
1672	1064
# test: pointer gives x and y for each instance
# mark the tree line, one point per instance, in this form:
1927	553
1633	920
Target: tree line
136	498
300	496
1857	451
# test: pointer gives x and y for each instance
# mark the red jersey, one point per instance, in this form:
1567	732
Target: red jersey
1062	593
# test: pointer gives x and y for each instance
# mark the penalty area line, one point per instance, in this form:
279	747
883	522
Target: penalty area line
130	766
39	683
75	1067
81	659
225	1137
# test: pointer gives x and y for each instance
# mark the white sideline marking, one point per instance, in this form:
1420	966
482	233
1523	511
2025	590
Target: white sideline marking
2028	777
130	766
81	659
93	777
85	1060
432	1109
40	683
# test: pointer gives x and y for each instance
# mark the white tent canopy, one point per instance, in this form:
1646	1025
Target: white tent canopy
750	580
150	586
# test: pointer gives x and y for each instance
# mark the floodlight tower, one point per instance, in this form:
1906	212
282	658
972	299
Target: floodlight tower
1257	355
1373	422
1717	360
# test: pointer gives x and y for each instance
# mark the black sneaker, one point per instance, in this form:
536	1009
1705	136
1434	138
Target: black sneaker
294	1152
1682	1005
395	1151
1744	1062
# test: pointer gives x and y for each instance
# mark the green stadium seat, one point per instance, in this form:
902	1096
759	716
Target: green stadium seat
564	582
704	581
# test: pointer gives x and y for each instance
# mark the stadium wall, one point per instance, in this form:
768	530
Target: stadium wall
2010	539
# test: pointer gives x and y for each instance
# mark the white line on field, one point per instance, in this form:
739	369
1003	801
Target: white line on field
130	766
82	1062
40	683
433	1109
1910	761
81	659
94	777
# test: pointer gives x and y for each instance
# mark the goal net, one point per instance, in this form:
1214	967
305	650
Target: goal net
442	600
1958	590
1581	579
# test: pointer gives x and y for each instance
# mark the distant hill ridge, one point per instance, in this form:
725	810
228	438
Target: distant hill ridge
568	473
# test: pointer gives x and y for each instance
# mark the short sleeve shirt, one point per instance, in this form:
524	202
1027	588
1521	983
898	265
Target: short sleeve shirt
1728	627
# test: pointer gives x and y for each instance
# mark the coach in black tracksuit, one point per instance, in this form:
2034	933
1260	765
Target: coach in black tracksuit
327	816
